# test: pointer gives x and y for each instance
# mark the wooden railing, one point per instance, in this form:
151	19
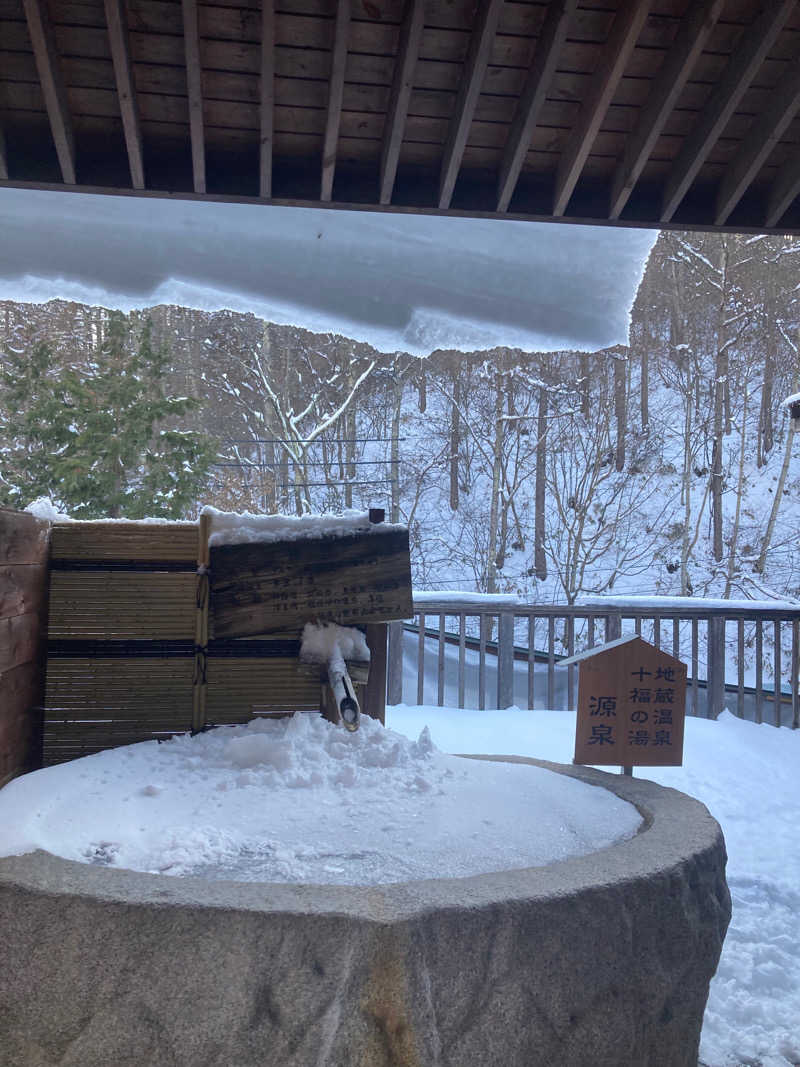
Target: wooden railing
497	652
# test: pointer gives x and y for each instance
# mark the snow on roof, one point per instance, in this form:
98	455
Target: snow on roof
231	528
793	399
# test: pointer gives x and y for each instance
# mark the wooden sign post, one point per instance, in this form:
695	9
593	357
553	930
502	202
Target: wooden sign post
631	705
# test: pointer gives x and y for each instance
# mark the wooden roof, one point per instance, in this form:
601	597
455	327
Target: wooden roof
662	113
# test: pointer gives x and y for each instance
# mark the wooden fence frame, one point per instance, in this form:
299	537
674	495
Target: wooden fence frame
709	629
24	550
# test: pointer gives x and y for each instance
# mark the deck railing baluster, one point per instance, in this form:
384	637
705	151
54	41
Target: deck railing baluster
462	657
482	664
421	661
531	660
776	672
795	672
440	663
759	672
740	668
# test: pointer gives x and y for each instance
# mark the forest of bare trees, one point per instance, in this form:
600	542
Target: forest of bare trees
664	466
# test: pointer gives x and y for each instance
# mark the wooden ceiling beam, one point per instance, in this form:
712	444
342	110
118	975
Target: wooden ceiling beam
480	47
761	139
52	82
403	83
267	97
194	92
753	48
540	77
116	21
785	189
627	26
690	40
335	97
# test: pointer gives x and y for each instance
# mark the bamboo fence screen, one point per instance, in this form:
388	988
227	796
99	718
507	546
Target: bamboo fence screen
131	650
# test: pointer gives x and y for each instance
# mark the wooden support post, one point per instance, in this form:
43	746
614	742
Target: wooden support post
3	157
394	694
375	697
201	625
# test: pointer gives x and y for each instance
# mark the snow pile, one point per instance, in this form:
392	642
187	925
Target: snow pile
231	528
301	800
330	643
747	776
44	508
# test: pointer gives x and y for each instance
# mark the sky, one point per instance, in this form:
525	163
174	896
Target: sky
400	282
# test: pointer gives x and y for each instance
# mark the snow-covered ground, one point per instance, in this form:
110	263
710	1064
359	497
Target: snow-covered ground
747	775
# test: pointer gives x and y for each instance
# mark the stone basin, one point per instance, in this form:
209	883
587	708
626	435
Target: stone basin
603	959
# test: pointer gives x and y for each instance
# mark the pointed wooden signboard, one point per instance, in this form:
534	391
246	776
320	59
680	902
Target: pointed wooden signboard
631	705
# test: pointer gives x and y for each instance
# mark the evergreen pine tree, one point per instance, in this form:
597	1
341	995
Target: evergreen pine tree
93	438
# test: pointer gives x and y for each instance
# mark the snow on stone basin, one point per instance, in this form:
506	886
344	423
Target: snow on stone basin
300	800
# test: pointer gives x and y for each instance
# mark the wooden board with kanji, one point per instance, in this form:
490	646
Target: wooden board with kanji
278	586
631	705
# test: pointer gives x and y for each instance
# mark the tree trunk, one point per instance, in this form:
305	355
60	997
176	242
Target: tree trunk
422	386
620	409
584	385
761	562
739	494
539	556
497	462
455	440
397	411
720	385
645	386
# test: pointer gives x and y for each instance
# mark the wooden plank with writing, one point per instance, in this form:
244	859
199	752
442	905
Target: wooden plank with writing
353	580
631	706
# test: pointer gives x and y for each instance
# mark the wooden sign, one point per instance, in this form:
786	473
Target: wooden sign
631	705
268	587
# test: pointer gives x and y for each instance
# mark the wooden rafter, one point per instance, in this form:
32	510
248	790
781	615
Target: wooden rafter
3	158
116	22
410	37
267	97
742	67
764	134
335	97
785	190
52	82
667	86
540	76
194	91
627	26
480	47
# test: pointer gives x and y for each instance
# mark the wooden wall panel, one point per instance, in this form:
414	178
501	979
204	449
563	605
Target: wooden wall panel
24	548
